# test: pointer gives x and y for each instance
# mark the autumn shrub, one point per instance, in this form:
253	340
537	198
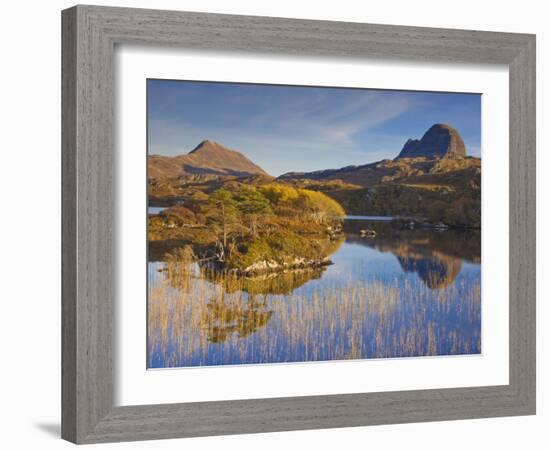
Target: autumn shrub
241	224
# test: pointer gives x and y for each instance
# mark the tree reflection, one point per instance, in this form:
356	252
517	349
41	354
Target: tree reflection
243	317
276	283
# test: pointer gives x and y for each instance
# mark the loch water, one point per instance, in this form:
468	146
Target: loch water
402	293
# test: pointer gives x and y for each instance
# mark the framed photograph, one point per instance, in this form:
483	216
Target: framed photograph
276	224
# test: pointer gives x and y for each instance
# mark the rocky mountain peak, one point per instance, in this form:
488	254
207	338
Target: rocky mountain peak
440	141
207	144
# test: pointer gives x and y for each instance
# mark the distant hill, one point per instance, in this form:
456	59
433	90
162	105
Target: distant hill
207	158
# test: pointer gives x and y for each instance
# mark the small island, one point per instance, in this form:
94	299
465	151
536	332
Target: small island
250	226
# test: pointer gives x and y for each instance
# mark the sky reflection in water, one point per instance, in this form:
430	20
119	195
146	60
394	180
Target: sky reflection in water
404	293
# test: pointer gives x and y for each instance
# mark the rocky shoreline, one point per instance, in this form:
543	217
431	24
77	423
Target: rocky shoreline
265	267
422	223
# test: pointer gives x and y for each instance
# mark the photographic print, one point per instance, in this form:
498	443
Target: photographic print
291	224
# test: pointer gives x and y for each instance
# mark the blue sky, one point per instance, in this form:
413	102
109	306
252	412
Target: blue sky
296	128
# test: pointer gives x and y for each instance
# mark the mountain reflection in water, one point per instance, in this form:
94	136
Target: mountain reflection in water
436	256
401	293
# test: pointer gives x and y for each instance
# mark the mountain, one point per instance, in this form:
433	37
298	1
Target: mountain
440	150
440	141
207	158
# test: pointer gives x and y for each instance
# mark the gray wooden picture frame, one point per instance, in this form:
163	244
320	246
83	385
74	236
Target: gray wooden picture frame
90	34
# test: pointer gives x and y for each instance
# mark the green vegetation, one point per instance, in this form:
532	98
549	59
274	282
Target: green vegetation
434	203
251	228
447	191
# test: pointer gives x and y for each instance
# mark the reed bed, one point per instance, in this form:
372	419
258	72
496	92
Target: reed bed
195	322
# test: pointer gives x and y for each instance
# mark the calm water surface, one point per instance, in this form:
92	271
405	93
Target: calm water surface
371	218
155	209
402	293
